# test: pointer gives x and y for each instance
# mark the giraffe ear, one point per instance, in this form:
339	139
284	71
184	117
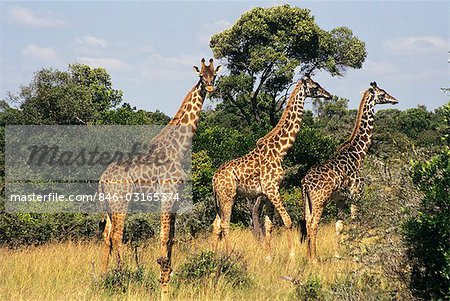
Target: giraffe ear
196	70
218	68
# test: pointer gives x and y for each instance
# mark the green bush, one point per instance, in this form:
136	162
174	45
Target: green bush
208	266
19	229
125	279
310	291
427	234
361	286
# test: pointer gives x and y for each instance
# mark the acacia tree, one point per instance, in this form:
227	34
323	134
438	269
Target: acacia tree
264	49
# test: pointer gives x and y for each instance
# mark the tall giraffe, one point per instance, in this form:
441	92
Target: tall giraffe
342	170
158	170
260	172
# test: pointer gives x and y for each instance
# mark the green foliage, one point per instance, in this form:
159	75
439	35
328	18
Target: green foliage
310	148
19	229
263	49
128	115
202	173
140	227
77	96
361	286
222	144
427	234
310	291
125	279
207	265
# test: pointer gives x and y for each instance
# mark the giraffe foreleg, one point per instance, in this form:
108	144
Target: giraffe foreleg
167	234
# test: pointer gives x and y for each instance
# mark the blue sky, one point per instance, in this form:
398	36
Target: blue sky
149	47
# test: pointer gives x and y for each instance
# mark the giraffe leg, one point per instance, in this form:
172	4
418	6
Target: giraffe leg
167	234
353	212
274	196
268	226
257	229
225	193
118	223
107	245
339	226
225	222
313	233
216	232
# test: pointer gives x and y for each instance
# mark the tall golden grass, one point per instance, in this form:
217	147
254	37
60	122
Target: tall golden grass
70	271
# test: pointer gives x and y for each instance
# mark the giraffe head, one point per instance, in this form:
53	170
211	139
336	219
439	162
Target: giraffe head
207	75
380	95
313	89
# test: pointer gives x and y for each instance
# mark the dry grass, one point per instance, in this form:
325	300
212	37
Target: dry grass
70	271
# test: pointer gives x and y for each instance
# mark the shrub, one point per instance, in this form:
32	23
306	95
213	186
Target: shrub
208	266
19	229
310	291
125	279
427	233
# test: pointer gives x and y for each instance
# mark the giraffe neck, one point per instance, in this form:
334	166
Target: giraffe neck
181	128
359	142
285	132
188	113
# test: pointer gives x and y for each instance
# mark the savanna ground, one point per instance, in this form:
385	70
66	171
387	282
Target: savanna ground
70	271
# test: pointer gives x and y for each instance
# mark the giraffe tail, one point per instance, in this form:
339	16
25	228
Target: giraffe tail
306	201
105	218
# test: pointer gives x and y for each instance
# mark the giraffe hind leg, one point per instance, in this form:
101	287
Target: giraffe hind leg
118	222
226	209
217	232
274	196
107	249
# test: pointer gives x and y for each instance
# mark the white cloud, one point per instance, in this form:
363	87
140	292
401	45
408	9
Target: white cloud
162	67
37	19
379	68
210	29
91	41
107	63
41	53
417	45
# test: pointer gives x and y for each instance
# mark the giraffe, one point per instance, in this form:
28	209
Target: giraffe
342	171
159	169
259	172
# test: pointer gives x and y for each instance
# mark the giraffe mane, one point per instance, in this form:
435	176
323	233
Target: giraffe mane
357	123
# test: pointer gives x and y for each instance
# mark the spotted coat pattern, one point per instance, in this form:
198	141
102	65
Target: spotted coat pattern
342	170
260	172
157	170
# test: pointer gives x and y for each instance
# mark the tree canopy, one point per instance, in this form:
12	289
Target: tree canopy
79	95
264	49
